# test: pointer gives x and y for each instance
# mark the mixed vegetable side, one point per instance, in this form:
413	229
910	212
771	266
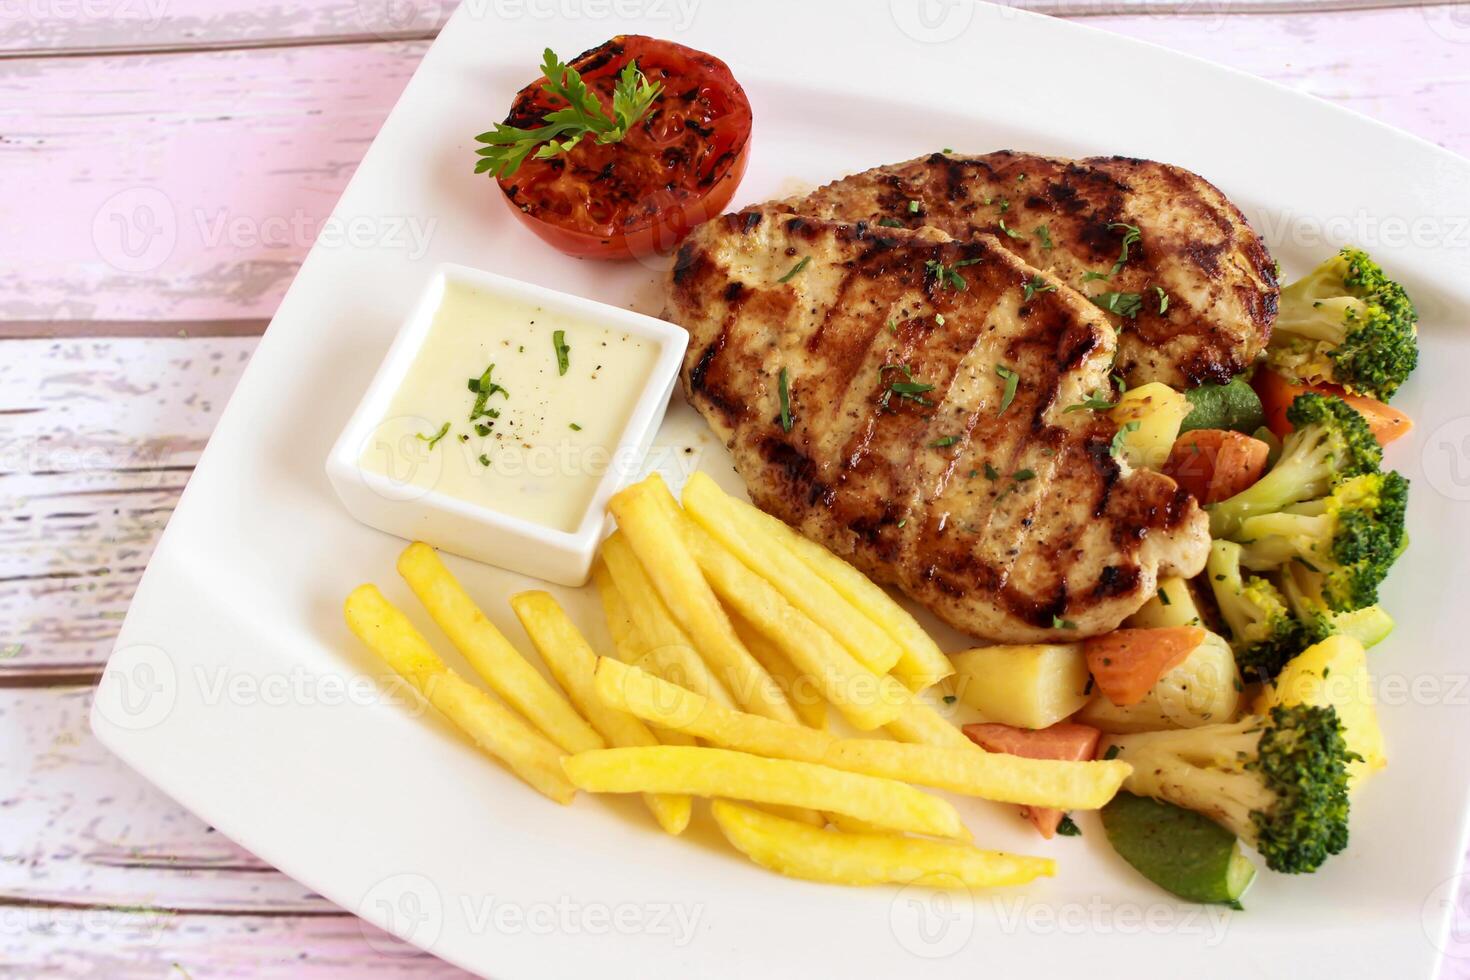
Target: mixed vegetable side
1241	698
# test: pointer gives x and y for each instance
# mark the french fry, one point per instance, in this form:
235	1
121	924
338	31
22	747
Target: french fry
799	851
918	722
735	525
492	656
572	663
675	575
497	730
922	663
629	643
968	770
810	707
670	652
737	775
867	700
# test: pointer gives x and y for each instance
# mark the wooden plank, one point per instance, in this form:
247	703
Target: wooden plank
82	27
137	205
97	439
101	875
96	26
1405	67
47	942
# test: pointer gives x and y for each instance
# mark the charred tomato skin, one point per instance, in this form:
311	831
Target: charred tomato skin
678	166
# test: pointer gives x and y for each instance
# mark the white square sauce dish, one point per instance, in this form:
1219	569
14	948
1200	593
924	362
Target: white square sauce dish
502	419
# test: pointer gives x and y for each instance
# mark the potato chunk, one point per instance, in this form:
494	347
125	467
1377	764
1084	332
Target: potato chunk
1155	411
1030	686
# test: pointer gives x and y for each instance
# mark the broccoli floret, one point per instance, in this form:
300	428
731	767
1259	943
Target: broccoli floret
1346	324
1369	625
1347	541
1278	782
1263	631
1329	443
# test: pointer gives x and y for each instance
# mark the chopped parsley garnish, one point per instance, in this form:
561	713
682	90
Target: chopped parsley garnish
1068	828
893	326
1089	275
1123	304
574	427
913	390
784	387
481	429
1131	236
1092	403
484	388
949	274
581	114
796	269
1163	300
1004	205
943	441
1121	436
939	319
890	223
950	699
1112	752
1009	231
1036	284
484	460
1058	623
1164	598
1012	380
1044	233
913	207
1021	476
559	342
433	440
991	473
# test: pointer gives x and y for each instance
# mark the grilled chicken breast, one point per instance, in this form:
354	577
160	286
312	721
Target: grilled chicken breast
923	433
1071	218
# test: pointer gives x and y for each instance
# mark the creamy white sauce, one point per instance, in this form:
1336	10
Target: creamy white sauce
542	458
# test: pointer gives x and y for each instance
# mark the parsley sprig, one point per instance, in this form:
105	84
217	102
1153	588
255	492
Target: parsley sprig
563	128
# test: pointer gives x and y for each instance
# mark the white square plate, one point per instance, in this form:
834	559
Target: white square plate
231	686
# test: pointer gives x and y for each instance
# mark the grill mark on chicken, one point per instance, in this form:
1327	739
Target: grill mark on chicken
1196	245
1064	531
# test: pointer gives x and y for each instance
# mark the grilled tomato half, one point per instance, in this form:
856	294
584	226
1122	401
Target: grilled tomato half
623	150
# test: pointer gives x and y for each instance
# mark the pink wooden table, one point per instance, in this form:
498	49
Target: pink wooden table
237	123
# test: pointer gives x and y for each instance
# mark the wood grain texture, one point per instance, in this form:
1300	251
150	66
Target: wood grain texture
103	876
97	439
137	205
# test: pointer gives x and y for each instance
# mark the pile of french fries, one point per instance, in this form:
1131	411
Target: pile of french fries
732	639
